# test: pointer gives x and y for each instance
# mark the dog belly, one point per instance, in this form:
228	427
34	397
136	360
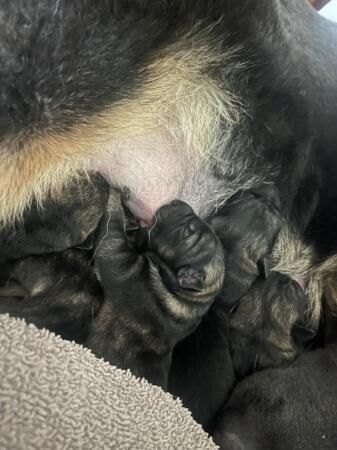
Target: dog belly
155	172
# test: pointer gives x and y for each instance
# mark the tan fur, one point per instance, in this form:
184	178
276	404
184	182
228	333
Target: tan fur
175	97
33	170
294	258
323	285
176	308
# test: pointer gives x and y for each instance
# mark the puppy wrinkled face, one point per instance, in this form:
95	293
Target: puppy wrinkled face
268	327
189	254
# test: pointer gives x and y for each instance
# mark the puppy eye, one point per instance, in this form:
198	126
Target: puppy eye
189	229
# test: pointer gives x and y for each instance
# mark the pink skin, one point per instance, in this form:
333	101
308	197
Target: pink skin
153	169
142	213
156	171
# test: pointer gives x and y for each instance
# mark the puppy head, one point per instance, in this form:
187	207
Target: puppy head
267	328
247	225
187	251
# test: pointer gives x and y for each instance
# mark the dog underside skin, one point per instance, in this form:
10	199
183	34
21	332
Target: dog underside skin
177	99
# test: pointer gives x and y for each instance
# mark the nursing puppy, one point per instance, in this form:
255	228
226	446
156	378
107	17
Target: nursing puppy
267	329
247	225
268	323
58	291
172	99
153	299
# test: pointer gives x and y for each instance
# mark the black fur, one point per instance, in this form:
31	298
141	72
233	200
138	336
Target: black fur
258	318
292	408
140	322
60	224
46	272
145	301
54	74
247	226
58	291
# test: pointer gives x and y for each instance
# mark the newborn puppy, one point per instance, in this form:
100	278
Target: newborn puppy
155	298
58	291
268	329
247	226
41	279
63	222
284	409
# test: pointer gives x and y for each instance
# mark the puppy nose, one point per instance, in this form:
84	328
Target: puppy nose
191	278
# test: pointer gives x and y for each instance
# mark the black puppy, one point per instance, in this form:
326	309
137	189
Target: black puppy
267	310
174	276
44	278
63	222
153	299
292	408
155	296
247	226
58	291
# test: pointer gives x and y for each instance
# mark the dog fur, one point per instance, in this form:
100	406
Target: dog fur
203	79
224	87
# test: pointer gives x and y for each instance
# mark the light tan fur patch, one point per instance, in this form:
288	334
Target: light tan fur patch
176	96
322	287
292	257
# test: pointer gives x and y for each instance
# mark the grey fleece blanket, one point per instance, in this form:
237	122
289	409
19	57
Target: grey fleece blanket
57	395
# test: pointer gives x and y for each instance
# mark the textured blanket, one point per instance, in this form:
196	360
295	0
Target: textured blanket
55	395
